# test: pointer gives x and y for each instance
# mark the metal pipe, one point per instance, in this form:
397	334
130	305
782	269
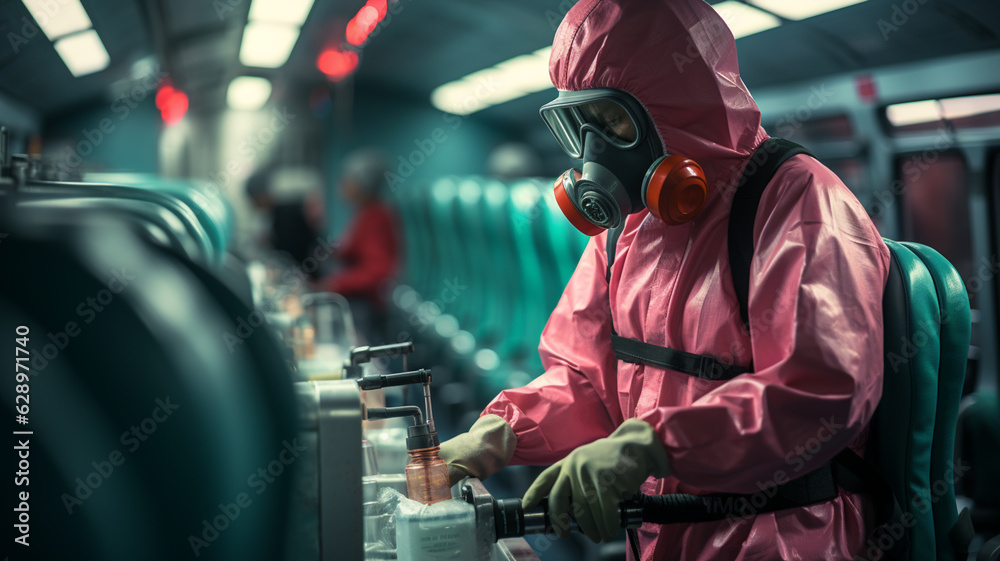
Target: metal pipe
427	404
392	412
535	522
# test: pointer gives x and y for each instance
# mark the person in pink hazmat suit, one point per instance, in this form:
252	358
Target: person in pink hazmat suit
649	91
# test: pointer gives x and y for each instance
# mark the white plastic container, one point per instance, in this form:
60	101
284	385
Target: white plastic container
445	530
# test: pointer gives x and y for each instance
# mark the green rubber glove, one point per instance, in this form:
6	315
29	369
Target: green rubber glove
596	477
481	452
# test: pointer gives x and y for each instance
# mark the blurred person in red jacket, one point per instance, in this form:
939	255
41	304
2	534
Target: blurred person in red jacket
369	250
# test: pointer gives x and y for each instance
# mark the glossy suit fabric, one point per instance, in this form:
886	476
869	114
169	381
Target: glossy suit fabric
817	278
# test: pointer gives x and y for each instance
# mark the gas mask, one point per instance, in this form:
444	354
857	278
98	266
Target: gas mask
624	167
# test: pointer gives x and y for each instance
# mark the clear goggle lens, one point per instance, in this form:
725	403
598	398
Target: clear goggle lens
608	117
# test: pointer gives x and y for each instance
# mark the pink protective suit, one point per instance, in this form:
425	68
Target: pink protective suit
817	278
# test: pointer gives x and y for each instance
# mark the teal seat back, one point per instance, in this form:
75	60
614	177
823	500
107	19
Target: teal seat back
927	331
979	449
454	266
202	198
207	205
480	251
525	202
155	354
496	210
956	334
562	243
436	255
48	190
414	207
405	206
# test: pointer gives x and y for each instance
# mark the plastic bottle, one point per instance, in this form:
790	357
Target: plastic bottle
427	476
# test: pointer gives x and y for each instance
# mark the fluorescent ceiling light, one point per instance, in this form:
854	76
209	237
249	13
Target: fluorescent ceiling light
745	20
83	53
544	52
248	93
802	9
293	12
511	79
527	73
902	114
58	19
958	107
267	45
491	86
456	98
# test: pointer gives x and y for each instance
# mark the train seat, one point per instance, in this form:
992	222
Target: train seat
45	190
507	249
155	222
979	446
912	436
202	198
151	357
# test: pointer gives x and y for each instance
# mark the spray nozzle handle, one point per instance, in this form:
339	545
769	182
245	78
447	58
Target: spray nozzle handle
360	355
377	381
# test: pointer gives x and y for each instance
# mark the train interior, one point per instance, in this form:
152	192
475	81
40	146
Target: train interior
207	378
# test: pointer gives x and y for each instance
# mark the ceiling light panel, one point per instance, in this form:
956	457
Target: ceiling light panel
802	9
508	80
267	45
83	53
248	93
58	18
291	12
744	20
902	114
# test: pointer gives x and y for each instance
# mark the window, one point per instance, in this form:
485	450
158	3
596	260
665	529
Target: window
850	171
935	207
969	112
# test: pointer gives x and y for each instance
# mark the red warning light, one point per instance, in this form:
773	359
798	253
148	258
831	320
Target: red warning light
337	64
380	6
354	34
162	96
172	106
362	25
865	85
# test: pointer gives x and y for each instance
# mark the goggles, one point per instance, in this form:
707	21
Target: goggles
612	114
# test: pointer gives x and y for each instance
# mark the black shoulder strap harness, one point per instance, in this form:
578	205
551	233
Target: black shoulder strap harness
847	470
761	167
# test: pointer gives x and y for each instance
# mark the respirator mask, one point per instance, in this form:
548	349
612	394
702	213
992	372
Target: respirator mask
624	167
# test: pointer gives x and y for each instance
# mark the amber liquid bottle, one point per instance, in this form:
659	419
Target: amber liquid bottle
427	476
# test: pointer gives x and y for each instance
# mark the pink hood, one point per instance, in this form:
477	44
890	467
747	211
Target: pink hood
678	58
